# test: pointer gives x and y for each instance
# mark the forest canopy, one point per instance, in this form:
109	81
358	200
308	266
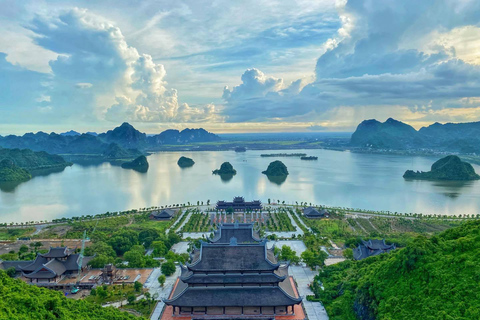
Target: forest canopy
19	300
434	278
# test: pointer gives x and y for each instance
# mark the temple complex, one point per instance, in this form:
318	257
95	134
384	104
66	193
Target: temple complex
239	204
236	279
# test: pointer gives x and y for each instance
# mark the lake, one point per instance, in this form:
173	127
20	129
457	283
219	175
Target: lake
367	181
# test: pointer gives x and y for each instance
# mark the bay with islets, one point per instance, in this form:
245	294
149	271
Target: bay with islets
367	181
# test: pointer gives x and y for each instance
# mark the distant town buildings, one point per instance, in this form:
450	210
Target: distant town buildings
236	278
239	204
312	212
371	248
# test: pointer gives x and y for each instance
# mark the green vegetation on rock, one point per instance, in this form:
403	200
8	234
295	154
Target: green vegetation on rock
19	300
139	164
31	160
430	279
276	169
10	172
225	169
185	162
448	168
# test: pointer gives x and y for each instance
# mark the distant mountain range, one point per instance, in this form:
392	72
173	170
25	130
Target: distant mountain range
393	134
123	142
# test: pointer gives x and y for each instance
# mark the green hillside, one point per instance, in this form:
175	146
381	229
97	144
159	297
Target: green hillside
31	160
430	279
19	300
10	172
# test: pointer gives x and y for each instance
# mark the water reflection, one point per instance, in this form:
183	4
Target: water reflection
339	179
278	180
452	189
9	186
226	177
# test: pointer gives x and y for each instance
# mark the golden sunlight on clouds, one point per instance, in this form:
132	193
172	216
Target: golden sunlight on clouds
464	40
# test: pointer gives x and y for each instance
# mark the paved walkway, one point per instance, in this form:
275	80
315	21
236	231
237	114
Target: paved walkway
299	231
161	292
304	276
181	247
297	245
176	229
196	235
118	304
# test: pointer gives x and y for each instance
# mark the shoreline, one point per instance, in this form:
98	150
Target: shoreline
345	210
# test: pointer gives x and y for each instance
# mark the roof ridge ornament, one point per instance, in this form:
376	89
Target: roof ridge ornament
233	241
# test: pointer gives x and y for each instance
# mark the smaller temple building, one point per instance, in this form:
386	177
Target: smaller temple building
372	248
239	204
312	212
164	214
50	267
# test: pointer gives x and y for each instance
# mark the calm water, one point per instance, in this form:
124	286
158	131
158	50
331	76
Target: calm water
337	179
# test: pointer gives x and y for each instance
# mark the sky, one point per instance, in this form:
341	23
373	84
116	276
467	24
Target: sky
237	66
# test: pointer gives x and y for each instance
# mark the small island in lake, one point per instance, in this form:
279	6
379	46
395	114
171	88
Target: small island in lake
140	164
309	158
276	169
185	162
240	149
225	169
448	168
270	155
9	171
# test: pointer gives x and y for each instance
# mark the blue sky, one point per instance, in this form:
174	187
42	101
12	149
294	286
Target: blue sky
248	66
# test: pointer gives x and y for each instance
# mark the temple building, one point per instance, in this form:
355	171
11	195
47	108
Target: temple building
164	214
371	248
242	232
241	279
239	204
311	212
50	267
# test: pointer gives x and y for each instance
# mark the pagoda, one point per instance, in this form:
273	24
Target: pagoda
238	279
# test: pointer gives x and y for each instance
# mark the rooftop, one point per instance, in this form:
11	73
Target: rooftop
220	257
243	232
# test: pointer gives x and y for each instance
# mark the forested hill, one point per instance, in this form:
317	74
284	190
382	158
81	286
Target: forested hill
30	160
393	134
430	279
19	300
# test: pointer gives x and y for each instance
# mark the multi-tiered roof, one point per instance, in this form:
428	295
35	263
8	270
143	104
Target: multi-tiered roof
372	248
242	272
53	264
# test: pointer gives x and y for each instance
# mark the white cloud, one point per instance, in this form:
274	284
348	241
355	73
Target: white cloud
83	85
255	84
368	65
93	54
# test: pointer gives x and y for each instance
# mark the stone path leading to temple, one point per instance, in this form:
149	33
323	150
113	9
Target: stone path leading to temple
154	287
304	276
174	227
